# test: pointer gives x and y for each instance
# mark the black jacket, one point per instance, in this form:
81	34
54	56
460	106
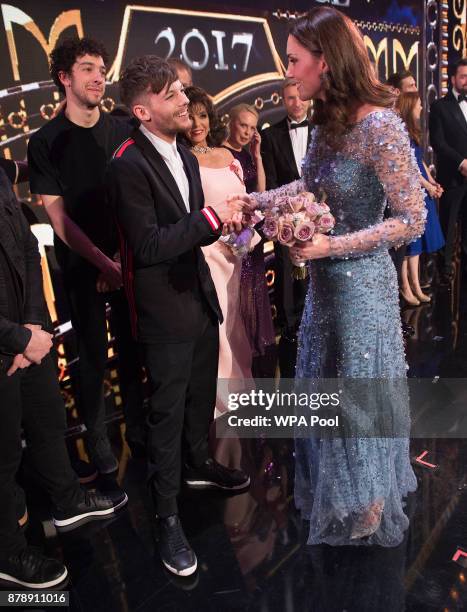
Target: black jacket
20	247
166	277
277	153
448	137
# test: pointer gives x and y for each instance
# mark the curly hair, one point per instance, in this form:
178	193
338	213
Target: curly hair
217	130
65	55
351	81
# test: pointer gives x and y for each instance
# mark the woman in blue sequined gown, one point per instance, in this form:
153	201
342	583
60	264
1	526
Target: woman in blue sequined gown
352	489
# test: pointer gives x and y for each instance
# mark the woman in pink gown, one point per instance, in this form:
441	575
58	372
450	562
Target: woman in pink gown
221	174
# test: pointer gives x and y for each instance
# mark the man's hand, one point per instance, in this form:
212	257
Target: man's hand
463	168
39	345
249	203
19	363
102	285
226	210
110	276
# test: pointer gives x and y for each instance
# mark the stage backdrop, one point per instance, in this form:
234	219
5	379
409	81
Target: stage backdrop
236	51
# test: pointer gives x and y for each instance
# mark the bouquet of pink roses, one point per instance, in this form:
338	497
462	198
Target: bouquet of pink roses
295	219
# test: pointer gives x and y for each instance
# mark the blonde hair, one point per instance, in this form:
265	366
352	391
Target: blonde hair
240	108
287	82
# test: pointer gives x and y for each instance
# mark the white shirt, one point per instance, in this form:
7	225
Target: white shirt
299	140
169	153
462	105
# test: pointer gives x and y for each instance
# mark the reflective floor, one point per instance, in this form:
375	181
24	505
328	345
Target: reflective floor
251	548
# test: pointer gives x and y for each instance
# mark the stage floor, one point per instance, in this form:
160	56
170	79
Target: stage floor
251	548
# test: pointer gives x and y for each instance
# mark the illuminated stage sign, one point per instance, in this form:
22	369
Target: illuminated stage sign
227	52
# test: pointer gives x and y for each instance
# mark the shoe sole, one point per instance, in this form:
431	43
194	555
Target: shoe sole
185	572
87	516
207	484
32	585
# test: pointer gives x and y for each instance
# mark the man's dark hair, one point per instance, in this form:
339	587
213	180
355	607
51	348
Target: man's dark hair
179	64
65	55
395	80
145	74
455	67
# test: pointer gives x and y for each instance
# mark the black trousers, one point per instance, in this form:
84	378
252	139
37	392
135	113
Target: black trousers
31	399
453	209
182	379
88	317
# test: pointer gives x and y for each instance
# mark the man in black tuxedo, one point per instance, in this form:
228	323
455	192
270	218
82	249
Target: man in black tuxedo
448	137
283	147
155	187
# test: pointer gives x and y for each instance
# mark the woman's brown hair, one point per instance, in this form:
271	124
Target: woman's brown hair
217	131
405	106
351	79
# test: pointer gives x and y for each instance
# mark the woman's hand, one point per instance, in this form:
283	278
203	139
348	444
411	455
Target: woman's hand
317	248
439	190
435	190
255	145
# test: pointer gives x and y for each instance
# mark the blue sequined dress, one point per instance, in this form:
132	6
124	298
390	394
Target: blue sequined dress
351	328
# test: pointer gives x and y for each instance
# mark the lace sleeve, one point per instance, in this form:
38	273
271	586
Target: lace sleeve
265	199
388	151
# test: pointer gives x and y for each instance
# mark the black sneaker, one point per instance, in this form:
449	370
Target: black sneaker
174	549
214	475
31	569
85	471
101	454
94	506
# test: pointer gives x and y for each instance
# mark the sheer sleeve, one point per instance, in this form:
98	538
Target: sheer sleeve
265	199
388	151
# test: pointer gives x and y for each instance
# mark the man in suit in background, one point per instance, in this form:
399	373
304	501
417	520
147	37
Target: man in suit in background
448	137
155	188
283	147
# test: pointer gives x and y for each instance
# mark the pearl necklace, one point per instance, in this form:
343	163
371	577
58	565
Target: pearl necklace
200	149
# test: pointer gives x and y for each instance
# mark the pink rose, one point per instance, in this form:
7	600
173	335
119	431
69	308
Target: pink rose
313	210
325	223
270	227
324	207
296	204
286	233
282	203
304	231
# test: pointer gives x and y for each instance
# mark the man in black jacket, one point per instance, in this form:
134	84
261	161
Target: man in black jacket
31	399
155	188
448	137
68	157
283	148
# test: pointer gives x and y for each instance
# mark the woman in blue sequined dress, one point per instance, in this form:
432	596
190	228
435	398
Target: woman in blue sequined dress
352	489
